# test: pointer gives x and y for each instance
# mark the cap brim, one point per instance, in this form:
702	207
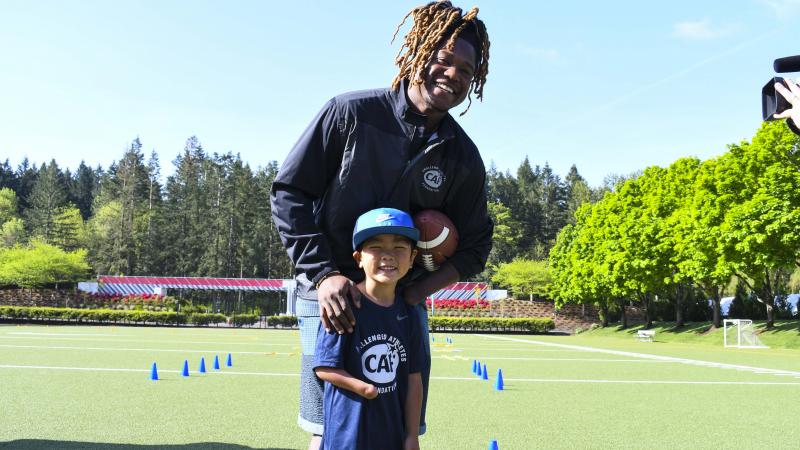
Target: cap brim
363	235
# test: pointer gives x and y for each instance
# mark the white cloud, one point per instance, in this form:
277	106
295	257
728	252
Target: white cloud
547	54
698	30
783	9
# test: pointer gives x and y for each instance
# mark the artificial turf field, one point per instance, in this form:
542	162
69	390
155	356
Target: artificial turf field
69	387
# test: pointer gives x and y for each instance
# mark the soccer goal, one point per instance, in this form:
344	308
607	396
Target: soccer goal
739	333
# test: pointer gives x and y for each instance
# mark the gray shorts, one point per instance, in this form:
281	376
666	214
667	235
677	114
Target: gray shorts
311	388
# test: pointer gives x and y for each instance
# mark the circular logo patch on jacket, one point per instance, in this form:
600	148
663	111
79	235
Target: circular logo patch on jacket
432	178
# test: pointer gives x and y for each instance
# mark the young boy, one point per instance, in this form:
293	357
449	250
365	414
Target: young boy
373	389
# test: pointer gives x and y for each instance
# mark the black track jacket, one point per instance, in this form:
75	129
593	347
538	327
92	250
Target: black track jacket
365	150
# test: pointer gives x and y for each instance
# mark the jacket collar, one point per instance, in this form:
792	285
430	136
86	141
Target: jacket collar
403	111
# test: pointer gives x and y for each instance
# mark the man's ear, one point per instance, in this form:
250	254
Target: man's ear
413	254
357	257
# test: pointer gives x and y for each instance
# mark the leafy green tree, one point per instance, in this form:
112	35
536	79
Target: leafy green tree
761	230
8	205
524	277
41	264
696	227
12	233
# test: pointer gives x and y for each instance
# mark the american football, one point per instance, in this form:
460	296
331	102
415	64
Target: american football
438	238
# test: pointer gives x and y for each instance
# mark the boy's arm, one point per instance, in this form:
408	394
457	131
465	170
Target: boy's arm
342	379
413	411
329	363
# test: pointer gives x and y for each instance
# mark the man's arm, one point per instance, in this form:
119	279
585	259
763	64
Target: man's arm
342	379
467	209
413	411
301	182
430	282
470	216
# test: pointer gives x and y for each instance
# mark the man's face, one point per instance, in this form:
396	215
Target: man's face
448	77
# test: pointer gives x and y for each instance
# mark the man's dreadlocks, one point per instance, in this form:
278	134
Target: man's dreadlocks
433	24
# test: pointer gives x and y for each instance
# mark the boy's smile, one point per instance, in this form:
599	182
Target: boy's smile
385	258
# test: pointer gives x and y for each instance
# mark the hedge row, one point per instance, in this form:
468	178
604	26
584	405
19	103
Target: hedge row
529	324
108	315
244	319
283	321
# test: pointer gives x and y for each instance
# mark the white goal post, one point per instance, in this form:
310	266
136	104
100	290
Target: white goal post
739	333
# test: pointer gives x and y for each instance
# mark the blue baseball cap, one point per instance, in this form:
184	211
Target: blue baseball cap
383	221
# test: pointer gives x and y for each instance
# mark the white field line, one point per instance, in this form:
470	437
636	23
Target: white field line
106	369
528	350
530	380
31	333
558	380
692	362
47	347
512	358
156	341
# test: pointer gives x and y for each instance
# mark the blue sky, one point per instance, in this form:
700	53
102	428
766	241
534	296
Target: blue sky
609	86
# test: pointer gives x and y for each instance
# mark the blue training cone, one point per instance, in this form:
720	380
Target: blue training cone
498	385
478	372
228	363
202	365
216	362
185	372
474	366
154	373
493	445
485	374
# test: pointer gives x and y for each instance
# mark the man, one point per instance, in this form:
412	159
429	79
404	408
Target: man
398	148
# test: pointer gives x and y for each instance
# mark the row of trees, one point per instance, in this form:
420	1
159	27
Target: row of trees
212	215
211	218
528	210
693	225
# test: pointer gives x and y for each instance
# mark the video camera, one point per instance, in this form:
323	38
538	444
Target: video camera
773	102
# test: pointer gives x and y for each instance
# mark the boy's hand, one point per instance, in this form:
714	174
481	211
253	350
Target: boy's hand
334	309
411	443
370	392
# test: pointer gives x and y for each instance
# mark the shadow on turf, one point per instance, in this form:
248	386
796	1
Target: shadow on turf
37	444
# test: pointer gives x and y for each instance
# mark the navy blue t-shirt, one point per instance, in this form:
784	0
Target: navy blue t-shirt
383	349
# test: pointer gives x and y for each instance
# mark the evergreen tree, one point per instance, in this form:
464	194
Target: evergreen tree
26	177
8	178
83	188
47	196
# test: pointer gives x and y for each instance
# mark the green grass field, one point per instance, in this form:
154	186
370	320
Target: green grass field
88	387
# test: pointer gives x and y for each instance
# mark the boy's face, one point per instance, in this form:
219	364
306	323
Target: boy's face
385	258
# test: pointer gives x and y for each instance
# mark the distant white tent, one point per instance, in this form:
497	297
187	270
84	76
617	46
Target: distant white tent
725	303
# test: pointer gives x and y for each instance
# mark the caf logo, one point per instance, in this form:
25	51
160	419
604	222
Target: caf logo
380	363
432	178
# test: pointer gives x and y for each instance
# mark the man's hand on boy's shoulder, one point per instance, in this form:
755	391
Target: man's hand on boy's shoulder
334	309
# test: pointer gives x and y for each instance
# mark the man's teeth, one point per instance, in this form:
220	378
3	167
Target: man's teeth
445	87
388	267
